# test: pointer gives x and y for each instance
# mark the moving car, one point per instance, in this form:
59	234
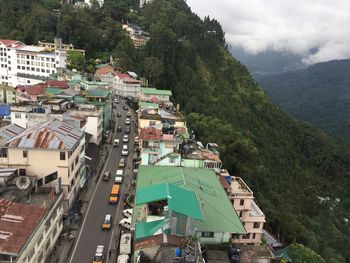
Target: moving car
121	163
118	180
114	195
127	212
128	114
119	129
116	142
125	151
123	259
106	176
126	223
107	222
125	107
127	129
99	254
125	138
127	121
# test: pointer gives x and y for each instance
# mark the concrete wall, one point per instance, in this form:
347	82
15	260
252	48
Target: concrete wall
218	238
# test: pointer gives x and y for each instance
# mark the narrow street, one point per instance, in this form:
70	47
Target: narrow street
91	233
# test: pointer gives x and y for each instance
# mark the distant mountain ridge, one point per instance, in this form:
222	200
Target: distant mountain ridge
319	94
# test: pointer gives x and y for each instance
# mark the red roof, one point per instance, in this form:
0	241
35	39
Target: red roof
58	83
150	133
9	42
104	70
38	89
123	76
17	222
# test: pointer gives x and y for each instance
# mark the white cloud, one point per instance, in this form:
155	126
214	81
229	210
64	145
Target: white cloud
296	26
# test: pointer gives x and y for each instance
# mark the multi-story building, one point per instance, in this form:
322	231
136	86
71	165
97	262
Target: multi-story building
30	218
61	149
137	35
126	86
242	199
58	42
22	64
155	95
7	94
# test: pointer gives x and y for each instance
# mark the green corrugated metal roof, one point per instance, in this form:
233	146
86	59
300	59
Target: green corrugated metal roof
146	229
54	91
79	99
97	93
156	91
219	214
176	197
148	104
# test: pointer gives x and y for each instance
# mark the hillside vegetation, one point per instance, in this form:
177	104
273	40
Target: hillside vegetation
289	164
319	94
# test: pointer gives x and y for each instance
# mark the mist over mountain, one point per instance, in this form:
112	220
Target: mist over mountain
319	94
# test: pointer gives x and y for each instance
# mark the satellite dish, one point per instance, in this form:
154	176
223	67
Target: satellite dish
22	182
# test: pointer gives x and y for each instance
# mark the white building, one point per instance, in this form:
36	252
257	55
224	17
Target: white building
21	64
49	149
126	86
30	231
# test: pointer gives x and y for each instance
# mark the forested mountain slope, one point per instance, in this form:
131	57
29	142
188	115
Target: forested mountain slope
288	163
319	94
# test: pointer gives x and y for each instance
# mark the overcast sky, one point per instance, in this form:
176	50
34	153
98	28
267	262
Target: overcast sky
284	25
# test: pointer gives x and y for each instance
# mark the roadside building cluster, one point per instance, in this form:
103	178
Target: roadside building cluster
184	199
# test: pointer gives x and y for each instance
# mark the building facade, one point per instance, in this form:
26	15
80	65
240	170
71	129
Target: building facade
22	64
7	94
126	86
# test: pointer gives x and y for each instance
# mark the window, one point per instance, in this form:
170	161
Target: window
76	160
25	154
241	202
22	172
246	236
152	123
253	236
207	234
3	152
72	167
17	115
62	156
240	214
256	225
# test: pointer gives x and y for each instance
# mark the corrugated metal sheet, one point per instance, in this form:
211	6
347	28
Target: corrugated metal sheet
9	131
49	135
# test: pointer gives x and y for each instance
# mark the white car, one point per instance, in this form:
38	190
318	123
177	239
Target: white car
127	212
127	121
126	223
125	151
125	138
99	254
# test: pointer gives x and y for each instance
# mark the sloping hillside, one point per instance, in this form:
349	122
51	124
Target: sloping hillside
319	94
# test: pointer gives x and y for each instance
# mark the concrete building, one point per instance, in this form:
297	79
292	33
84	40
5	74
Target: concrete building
126	86
155	95
58	42
7	94
242	199
21	64
137	35
51	149
29	229
216	221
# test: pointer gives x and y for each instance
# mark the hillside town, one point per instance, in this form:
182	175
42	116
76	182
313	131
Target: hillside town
105	169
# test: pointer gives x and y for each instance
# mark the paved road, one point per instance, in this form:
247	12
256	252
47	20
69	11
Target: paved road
91	233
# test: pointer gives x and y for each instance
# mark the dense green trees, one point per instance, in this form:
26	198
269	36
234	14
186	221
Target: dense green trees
290	165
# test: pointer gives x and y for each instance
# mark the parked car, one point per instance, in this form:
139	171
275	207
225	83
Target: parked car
119	172
119	114
123	259
107	222
106	176
118	180
127	121
126	223
128	114
121	163
99	254
125	151
127	129
116	142
125	107
119	129
125	244
116	100
127	212
125	138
